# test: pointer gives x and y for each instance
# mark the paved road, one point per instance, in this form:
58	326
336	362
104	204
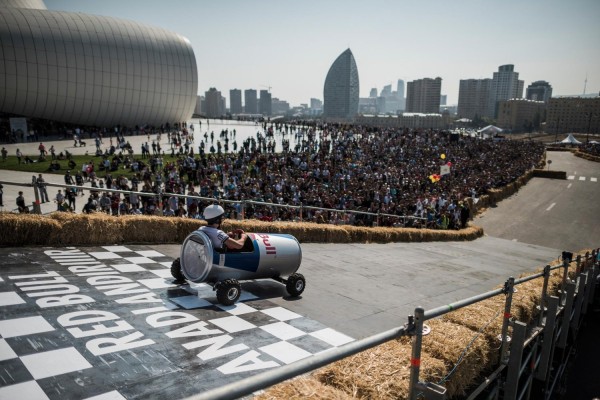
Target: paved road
564	214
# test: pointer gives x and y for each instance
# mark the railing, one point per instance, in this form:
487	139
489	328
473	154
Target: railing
537	360
242	203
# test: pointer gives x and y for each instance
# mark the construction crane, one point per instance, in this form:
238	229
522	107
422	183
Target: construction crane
268	87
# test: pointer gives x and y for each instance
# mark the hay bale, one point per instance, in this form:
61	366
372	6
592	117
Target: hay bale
382	372
26	229
447	341
88	229
527	297
149	229
304	387
485	316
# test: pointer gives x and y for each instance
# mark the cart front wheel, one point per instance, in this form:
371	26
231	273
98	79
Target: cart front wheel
228	292
295	285
176	271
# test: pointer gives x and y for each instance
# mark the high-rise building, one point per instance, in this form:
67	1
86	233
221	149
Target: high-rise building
316	104
213	103
423	96
539	91
279	107
235	101
505	86
443	100
265	106
341	90
250	101
573	114
91	69
387	90
474	98
401	96
373	92
520	115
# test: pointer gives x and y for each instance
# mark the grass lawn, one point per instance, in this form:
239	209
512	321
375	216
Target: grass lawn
36	167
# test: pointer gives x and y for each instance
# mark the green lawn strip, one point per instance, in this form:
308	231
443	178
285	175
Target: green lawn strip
11	163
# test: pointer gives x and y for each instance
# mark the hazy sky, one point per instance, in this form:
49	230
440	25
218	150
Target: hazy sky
290	45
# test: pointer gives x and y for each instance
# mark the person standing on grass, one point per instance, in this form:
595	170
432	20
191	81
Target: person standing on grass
19	155
4	154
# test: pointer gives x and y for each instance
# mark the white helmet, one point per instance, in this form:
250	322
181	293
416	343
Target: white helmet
213	212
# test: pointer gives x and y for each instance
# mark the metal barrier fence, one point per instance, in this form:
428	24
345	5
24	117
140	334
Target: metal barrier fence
242	204
527	361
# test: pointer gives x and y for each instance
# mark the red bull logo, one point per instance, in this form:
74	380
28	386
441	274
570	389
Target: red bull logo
268	246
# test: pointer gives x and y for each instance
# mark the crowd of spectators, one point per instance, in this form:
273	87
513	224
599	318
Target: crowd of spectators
379	171
592	148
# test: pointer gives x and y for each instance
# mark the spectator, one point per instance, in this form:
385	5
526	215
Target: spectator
21	206
41	184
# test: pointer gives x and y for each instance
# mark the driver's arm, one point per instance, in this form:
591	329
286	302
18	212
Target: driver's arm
236	244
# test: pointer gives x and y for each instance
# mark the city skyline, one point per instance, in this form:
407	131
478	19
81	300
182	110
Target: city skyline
247	45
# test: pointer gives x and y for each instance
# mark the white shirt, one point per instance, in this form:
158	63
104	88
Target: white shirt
217	236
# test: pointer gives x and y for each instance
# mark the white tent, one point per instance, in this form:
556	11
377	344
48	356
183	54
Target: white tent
570	140
490	129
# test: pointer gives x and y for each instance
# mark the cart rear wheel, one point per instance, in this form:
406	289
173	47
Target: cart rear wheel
176	271
228	292
295	285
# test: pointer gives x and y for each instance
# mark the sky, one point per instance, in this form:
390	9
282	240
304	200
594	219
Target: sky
289	46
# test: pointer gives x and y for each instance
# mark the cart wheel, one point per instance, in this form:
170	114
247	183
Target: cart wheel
295	284
228	292
176	271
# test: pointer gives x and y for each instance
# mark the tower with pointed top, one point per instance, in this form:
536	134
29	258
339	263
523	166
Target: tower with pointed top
341	90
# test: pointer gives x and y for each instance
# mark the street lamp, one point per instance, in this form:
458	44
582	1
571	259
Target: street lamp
590	115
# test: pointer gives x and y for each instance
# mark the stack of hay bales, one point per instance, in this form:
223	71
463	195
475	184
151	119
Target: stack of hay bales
382	372
59	229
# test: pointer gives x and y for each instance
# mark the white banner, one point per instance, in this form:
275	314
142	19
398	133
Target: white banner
444	170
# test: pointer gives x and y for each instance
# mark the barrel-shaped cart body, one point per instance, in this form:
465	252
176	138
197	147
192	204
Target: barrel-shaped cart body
264	255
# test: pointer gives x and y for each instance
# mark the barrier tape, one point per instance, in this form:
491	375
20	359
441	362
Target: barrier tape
507	315
415	362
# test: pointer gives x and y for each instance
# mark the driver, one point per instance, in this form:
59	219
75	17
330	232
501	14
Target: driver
231	240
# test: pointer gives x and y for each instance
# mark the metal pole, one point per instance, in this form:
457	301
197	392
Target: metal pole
36	204
544	294
514	362
508	289
563	286
415	360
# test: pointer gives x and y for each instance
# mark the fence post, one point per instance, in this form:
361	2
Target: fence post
581	285
594	274
515	358
37	209
545	357
301	211
544	294
415	359
565	278
566	318
508	290
579	266
160	203
243	213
